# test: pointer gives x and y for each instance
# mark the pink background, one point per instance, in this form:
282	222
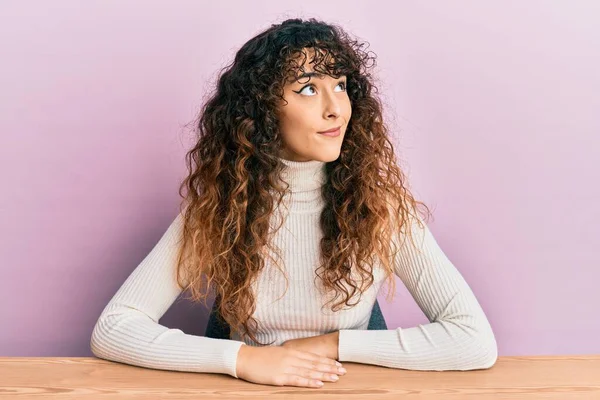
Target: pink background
495	108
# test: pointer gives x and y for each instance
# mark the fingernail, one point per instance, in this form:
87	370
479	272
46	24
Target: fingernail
342	370
338	364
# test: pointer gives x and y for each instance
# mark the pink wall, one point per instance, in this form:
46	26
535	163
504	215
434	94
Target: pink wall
495	106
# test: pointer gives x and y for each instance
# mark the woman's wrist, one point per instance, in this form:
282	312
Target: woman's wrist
334	344
241	357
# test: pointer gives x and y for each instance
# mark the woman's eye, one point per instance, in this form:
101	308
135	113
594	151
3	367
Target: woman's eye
303	90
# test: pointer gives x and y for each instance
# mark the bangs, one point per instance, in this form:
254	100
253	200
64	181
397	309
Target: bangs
323	61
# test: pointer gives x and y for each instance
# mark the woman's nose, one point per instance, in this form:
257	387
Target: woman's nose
332	106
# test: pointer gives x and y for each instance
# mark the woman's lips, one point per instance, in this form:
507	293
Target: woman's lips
331	133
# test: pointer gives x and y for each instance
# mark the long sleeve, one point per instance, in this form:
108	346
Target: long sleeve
128	331
458	337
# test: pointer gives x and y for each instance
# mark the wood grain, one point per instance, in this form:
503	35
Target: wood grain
538	377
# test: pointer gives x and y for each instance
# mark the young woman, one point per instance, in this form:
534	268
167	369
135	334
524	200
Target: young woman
295	214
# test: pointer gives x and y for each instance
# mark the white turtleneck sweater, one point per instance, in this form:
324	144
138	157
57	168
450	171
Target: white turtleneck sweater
458	337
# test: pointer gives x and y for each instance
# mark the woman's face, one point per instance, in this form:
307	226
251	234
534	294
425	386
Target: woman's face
315	104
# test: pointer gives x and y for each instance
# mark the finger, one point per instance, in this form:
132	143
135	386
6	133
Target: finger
315	365
314	374
306	355
296	380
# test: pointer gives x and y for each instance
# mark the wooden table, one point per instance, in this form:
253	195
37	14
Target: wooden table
540	377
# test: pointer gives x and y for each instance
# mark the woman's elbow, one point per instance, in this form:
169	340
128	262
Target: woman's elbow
489	357
482	348
483	354
98	341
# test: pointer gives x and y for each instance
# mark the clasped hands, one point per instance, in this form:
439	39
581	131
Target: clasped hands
305	362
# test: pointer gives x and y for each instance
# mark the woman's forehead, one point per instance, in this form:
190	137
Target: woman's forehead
302	66
308	55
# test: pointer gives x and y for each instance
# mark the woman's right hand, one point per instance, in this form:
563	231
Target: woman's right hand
280	366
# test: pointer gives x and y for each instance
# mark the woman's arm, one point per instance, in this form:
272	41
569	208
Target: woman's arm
458	337
128	331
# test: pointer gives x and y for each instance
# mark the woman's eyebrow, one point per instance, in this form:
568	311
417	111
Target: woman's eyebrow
307	75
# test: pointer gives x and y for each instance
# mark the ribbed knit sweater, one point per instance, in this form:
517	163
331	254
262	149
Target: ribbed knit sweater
458	336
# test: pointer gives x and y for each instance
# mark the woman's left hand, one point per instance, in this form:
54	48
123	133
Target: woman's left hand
323	345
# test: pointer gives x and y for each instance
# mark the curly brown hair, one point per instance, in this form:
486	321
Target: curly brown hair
235	173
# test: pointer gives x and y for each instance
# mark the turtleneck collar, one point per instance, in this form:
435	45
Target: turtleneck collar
304	176
305	179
